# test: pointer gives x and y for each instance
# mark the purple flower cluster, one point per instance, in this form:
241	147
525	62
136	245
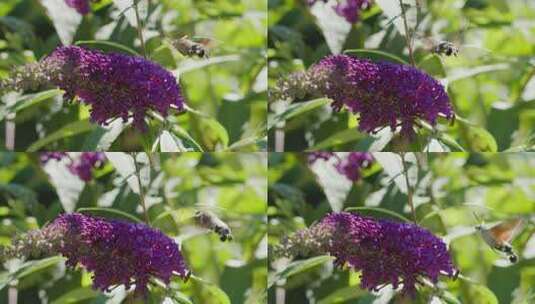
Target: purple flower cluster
351	166
81	6
82	166
349	9
385	252
115	85
383	94
118	252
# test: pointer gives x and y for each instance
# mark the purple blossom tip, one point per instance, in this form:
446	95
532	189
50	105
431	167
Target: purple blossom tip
385	252
118	252
82	166
47	156
81	6
351	165
114	85
349	9
314	156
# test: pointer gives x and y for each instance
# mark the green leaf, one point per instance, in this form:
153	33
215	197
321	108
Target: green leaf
187	141
25	194
479	139
213	128
462	73
164	56
297	267
102	138
125	166
126	8
71	129
335	185
335	28
68	186
76	296
216	132
375	55
181	298
6	6
432	64
31	267
392	164
338	138
111	212
483	294
296	109
170	143
343	295
65	19
253	141
189	65
218	295
105	45
27	101
4	279
392	10
443	137
379	210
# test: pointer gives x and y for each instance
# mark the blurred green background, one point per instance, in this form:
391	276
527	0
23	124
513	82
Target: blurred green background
232	186
491	82
226	91
448	189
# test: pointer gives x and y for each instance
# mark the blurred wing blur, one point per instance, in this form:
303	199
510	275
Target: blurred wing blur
506	231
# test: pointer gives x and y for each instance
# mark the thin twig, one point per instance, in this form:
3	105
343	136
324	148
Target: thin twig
410	190
140	29
408	36
141	191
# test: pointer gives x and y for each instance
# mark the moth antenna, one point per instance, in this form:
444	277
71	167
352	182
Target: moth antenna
477	218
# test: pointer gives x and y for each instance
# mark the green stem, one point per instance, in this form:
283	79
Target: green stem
141	191
408	36
140	29
379	210
410	190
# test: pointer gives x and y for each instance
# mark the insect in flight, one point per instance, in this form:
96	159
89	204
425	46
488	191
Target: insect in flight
440	47
210	221
499	236
192	47
446	48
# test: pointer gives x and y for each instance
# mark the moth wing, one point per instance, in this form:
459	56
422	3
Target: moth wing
507	230
206	41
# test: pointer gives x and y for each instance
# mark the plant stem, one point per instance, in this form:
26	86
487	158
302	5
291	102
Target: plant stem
280	107
12	294
140	29
10	132
141	191
410	190
408	36
279	139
